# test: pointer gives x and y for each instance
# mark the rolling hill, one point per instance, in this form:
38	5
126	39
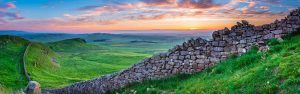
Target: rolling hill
69	44
12	49
60	63
16	53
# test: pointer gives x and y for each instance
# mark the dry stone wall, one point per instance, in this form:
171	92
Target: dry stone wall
192	56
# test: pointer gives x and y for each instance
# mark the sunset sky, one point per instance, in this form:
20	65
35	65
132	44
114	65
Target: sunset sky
114	15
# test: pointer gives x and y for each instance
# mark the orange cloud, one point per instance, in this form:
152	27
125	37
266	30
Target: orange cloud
264	7
150	14
202	4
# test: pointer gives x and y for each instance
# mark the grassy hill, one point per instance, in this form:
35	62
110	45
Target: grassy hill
12	49
12	56
69	44
62	63
275	71
81	61
41	56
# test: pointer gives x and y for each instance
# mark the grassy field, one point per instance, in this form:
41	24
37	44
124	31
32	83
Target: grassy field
77	60
82	62
61	63
275	71
12	49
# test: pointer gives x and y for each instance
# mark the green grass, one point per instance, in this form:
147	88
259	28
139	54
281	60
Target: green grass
69	45
80	61
12	49
4	90
275	71
74	60
58	64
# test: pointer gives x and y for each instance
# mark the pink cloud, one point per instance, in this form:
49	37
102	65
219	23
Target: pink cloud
252	4
10	5
159	2
264	7
202	4
5	15
148	10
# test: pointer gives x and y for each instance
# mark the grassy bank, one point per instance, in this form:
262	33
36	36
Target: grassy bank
12	49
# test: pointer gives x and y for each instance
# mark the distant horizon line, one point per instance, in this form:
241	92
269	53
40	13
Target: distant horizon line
121	31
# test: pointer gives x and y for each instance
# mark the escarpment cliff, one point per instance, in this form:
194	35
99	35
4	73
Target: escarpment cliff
192	56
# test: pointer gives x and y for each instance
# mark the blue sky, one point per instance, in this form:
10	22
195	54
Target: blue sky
99	15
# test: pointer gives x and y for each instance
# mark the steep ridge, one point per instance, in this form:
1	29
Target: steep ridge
20	59
192	56
12	50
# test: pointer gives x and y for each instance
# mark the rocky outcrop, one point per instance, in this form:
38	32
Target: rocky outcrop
192	56
33	87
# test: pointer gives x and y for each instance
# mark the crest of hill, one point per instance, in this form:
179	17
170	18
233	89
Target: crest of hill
7	39
73	40
13	32
69	44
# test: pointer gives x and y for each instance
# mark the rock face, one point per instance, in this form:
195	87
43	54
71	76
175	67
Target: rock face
33	87
192	56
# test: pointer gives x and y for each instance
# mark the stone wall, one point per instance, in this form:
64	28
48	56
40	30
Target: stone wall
192	56
23	62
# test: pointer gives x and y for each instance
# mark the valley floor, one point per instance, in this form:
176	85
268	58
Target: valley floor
61	63
90	61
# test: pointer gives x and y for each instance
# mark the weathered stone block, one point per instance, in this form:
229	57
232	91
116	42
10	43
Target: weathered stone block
184	52
242	50
215	43
201	56
277	32
200	61
222	43
242	41
188	57
241	45
218	49
190	49
214	59
269	36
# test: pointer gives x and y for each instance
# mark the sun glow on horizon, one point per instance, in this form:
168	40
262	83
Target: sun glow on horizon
137	15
